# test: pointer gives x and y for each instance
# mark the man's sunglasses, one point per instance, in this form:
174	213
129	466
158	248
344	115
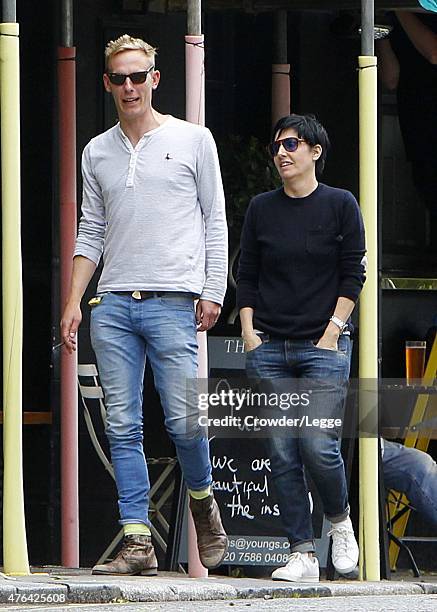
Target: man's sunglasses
136	77
290	144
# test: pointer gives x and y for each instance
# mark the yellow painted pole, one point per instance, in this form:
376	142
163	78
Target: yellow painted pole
15	558
368	357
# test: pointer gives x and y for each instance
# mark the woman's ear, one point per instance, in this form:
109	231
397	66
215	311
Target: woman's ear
317	151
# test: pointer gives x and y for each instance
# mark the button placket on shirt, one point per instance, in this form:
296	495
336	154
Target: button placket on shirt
133	161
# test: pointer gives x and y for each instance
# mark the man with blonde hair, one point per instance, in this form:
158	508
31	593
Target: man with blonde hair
128	43
153	206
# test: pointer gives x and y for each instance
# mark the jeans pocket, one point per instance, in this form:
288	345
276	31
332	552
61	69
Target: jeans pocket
338	351
179	302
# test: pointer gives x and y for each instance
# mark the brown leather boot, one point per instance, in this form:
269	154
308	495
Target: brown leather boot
212	541
136	556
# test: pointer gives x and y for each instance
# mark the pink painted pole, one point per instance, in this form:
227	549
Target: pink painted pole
195	79
68	369
195	113
280	91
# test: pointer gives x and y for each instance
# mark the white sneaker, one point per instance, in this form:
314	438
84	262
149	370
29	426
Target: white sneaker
300	568
344	546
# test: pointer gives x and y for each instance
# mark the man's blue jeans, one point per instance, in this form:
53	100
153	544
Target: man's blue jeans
325	373
413	472
124	333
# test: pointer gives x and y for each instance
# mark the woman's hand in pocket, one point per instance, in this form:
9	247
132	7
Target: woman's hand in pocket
251	341
329	340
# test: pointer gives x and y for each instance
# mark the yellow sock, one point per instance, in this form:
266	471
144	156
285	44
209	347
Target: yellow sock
204	493
136	529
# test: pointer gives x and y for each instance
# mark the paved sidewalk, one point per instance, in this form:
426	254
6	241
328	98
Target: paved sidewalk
61	585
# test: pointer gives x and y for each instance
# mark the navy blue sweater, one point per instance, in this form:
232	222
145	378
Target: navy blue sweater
298	256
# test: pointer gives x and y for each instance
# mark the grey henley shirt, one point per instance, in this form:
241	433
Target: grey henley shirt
155	211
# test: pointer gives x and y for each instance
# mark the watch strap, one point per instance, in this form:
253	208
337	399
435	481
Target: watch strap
339	323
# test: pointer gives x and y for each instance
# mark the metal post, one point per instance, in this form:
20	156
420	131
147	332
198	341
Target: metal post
67	236
280	68
367	25
368	357
67	23
280	37
195	112
9	11
194	17
14	530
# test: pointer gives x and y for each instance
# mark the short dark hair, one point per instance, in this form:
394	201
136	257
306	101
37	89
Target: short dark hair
311	130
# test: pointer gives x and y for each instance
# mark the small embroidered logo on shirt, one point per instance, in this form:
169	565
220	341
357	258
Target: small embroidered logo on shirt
168	156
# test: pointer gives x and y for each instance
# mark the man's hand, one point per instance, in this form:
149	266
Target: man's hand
207	314
70	322
83	270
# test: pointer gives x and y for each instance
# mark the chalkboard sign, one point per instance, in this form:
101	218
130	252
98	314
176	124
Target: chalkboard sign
242	482
250	513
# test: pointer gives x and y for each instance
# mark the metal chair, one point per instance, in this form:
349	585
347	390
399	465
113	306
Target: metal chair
398	500
91	393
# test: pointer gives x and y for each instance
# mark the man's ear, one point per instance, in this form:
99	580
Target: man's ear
156	76
106	83
317	151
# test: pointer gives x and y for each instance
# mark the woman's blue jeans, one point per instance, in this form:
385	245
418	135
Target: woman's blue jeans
324	374
124	333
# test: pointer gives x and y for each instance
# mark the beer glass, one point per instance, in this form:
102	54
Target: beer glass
414	360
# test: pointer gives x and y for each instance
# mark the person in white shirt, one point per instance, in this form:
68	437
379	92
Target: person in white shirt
153	208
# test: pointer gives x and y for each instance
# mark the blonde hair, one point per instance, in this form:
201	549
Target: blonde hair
128	43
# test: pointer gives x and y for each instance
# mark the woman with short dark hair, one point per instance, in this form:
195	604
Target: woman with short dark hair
301	271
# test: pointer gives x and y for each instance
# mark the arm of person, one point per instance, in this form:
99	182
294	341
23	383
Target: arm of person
89	248
83	270
388	65
251	339
343	310
212	202
352	268
424	39
247	280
